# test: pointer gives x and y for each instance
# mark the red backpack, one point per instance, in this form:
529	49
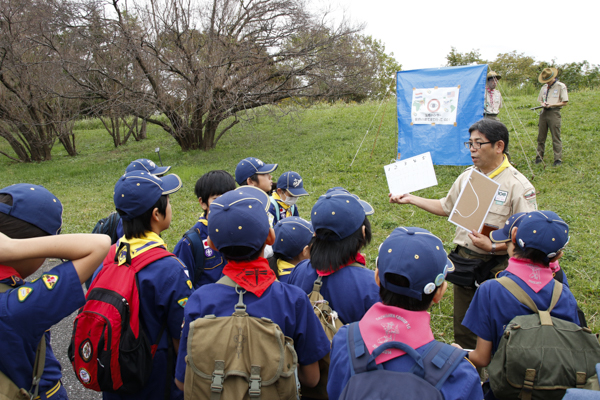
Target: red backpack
109	349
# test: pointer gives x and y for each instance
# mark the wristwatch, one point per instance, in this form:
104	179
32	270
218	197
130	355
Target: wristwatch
493	248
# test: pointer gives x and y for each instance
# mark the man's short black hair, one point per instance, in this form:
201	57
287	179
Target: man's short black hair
493	131
212	183
390	298
328	253
16	228
137	227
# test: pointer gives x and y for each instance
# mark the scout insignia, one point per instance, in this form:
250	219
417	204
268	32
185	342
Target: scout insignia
123	255
86	350
84	375
208	252
189	283
182	302
23	293
50	281
501	197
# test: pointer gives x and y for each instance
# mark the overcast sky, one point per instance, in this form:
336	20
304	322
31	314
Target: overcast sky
421	33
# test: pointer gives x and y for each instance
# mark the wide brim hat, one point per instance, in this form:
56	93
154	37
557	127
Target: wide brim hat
292	182
250	166
493	74
34	204
144	164
548	74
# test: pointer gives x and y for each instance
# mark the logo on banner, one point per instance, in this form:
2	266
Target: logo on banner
434	105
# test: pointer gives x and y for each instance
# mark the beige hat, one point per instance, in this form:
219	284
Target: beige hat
493	74
548	74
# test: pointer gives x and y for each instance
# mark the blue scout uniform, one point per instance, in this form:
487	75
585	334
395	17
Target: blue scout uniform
462	384
25	317
213	260
351	291
285	305
494	306
279	210
164	290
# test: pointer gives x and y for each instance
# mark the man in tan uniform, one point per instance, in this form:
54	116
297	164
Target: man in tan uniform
493	98
552	98
488	144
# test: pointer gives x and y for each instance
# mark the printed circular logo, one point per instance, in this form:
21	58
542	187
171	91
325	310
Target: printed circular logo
208	252
84	376
433	105
439	279
429	288
86	350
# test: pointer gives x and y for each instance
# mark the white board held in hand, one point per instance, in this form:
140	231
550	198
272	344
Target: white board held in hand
410	175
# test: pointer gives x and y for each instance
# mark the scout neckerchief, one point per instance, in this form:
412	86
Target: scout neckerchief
359	258
282	205
255	276
382	324
203	219
536	276
505	164
548	90
130	248
284	267
491	92
10	276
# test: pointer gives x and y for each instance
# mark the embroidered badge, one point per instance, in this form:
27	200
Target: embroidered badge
86	350
23	293
182	302
50	281
297	182
84	376
501	197
189	283
208	252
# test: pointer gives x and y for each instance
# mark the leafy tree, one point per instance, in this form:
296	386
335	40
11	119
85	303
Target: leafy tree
515	68
454	58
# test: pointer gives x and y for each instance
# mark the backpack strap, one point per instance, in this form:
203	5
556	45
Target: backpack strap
318	283
240	307
195	241
524	298
440	360
274	202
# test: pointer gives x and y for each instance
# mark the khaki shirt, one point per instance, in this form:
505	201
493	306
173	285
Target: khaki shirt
516	194
493	101
558	93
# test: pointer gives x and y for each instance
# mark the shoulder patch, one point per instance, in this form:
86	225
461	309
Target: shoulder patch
182	302
189	283
529	194
23	293
50	281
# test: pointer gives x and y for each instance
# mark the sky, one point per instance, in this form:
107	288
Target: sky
421	33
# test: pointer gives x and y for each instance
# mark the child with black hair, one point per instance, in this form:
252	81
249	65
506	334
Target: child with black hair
283	200
142	200
210	186
411	270
239	228
30	223
292	245
253	172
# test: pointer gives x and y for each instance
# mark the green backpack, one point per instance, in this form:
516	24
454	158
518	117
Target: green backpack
540	356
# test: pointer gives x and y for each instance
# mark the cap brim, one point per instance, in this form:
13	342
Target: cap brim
450	266
297	191
160	170
498	236
170	184
267	168
369	210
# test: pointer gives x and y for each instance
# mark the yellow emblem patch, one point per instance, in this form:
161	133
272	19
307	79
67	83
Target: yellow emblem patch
50	281
182	302
189	283
23	293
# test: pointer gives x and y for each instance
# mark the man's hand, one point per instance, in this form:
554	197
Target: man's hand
400	198
481	241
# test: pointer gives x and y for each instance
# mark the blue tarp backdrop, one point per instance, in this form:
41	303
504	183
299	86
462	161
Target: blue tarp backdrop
436	107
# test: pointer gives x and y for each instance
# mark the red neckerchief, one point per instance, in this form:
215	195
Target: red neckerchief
254	276
491	97
9	272
359	258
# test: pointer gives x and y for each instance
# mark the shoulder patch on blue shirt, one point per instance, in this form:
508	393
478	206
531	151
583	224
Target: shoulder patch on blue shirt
182	302
50	281
23	293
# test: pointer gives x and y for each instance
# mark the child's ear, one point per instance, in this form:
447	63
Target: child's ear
250	182
437	297
306	252
211	244
271	238
155	214
513	234
377	280
557	257
203	204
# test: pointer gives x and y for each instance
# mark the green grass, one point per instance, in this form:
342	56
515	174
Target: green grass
320	144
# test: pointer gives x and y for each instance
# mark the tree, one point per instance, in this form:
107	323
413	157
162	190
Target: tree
515	68
454	58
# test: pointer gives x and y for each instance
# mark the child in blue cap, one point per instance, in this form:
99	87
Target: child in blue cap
253	172
210	186
239	228
142	200
411	271
283	201
30	223
535	240
292	245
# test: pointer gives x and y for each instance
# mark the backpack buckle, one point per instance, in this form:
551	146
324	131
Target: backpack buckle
255	382
218	375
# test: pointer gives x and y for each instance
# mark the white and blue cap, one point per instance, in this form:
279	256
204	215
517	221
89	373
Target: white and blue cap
417	255
34	204
239	218
505	234
250	166
144	164
544	231
339	211
292	235
137	191
292	182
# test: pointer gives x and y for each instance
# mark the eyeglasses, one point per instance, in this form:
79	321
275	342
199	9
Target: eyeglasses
475	145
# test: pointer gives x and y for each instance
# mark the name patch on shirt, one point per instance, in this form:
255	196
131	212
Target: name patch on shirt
501	197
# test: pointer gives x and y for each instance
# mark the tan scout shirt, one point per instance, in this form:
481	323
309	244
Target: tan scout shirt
493	101
516	194
558	93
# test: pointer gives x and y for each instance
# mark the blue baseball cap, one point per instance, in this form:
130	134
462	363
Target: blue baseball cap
250	166
369	210
544	231
239	218
417	255
292	182
137	191
339	211
143	164
34	204
292	235
504	235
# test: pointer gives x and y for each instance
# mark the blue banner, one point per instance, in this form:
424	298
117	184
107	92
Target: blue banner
436	107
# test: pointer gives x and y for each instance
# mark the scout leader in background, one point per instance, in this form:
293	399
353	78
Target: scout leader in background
552	98
488	144
493	98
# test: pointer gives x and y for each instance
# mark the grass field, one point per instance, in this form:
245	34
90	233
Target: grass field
320	144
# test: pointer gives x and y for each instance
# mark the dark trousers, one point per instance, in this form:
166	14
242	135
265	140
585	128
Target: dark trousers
550	119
